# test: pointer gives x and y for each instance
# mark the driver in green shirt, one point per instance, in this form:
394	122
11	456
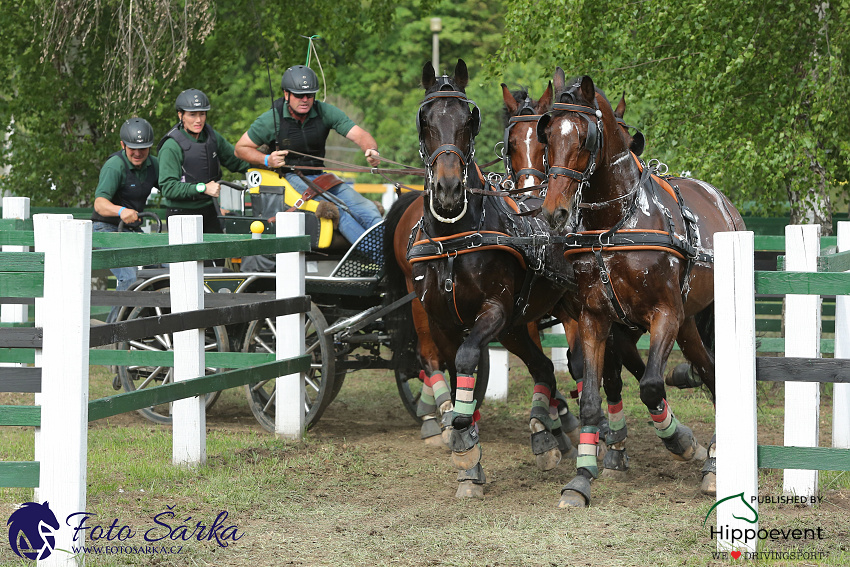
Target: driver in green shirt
190	158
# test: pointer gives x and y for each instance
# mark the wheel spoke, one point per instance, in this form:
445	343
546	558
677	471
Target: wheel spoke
312	384
271	401
152	376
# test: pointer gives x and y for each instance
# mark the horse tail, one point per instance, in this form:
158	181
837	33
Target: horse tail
399	322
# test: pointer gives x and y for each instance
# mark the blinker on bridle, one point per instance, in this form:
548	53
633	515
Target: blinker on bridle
593	144
525	114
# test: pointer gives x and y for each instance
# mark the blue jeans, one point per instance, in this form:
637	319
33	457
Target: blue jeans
362	213
125	277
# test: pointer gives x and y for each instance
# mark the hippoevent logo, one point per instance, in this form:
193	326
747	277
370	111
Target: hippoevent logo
33	529
750	515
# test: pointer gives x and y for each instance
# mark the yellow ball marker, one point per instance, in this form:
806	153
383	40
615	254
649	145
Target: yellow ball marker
257	228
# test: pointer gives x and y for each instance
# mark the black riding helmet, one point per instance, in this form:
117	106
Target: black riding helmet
137	133
300	80
192	100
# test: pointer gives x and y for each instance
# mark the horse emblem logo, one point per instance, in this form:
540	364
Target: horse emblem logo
741	496
32	530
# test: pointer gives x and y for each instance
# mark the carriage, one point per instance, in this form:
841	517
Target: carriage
344	328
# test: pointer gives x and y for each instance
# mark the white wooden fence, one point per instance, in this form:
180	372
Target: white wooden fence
64	315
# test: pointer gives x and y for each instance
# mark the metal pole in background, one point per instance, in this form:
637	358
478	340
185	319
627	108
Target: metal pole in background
436	27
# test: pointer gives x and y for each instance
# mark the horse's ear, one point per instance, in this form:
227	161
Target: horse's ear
638	143
428	76
510	102
620	111
461	75
588	90
559	80
545	100
541	128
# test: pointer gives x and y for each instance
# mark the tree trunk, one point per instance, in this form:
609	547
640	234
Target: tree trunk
807	192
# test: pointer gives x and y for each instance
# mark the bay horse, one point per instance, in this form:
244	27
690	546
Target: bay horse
641	250
524	164
453	248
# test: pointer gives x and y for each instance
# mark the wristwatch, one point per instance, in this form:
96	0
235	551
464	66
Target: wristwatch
200	187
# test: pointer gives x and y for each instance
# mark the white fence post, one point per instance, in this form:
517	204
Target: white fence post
64	313
15	208
560	354
189	418
497	386
802	339
43	240
735	364
841	392
289	278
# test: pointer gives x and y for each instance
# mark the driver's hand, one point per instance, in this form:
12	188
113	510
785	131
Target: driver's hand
213	189
277	159
372	157
129	216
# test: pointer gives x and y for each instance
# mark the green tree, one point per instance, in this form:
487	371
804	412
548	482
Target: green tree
76	69
746	95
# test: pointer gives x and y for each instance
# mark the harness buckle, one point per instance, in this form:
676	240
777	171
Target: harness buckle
472	243
298	203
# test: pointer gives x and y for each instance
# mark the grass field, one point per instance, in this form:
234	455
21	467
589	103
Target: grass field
363	490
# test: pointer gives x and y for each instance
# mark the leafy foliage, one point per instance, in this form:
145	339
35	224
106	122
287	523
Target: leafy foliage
746	95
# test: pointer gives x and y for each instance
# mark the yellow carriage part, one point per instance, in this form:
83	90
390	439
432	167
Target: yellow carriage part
265	181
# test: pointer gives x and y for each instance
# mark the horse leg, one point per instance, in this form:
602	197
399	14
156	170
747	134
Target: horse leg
594	334
435	392
691	343
464	441
544	444
685	375
677	438
615	461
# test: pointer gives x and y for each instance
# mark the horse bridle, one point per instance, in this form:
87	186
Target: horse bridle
465	159
593	144
525	114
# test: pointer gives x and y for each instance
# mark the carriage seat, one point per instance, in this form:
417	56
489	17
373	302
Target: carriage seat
272	193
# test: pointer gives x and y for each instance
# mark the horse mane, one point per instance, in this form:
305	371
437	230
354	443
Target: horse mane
568	93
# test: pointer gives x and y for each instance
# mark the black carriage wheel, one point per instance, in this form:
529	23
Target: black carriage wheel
319	380
410	387
138	377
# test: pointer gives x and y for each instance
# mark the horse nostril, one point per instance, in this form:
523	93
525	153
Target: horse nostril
559	217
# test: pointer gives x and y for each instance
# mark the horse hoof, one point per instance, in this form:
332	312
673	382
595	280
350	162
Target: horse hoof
709	484
695	451
468	489
436	441
618	476
467	459
447	436
548	460
572	499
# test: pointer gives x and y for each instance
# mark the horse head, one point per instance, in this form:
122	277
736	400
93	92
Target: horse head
576	132
523	154
447	128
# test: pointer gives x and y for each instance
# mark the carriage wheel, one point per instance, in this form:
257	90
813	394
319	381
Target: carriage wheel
318	381
410	387
139	377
